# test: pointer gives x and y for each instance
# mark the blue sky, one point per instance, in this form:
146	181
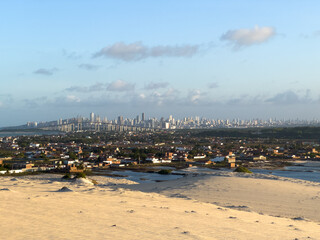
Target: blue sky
217	59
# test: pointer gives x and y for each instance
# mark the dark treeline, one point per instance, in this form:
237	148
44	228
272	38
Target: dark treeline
279	133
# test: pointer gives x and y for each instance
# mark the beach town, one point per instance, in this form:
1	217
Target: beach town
156	185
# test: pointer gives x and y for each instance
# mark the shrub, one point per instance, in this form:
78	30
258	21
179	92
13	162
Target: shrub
242	169
67	176
94	182
165	171
81	175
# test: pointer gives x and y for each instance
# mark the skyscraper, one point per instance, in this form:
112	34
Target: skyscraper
120	120
143	117
92	117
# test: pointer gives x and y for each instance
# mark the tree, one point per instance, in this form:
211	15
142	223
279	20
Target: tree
72	155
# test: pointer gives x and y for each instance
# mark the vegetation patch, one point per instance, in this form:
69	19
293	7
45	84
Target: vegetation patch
94	182
67	176
80	175
242	169
165	171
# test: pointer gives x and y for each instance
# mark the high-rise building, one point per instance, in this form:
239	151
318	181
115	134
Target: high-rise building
165	125
92	117
120	120
143	117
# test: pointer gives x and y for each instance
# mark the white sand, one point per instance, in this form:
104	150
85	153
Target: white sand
34	209
270	195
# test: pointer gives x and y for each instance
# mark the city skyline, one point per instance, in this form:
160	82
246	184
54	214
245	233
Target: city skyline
213	59
140	122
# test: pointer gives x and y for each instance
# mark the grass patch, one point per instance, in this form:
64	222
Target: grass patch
81	175
242	169
67	176
165	171
94	182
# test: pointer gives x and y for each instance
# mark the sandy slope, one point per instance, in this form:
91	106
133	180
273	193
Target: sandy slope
276	196
31	208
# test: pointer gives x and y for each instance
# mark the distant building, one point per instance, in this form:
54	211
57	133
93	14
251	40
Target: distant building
120	120
165	125
153	160
92	117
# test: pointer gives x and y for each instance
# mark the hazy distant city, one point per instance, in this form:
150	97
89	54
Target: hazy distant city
141	122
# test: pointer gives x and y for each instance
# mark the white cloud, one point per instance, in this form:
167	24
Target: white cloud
174	51
194	102
142	96
44	71
126	52
289	97
35	102
213	85
97	87
89	67
194	96
316	33
137	51
168	97
71	55
247	37
72	98
120	86
156	85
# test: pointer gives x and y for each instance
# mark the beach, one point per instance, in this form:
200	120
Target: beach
226	206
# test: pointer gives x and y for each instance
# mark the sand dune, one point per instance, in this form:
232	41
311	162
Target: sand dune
33	209
269	195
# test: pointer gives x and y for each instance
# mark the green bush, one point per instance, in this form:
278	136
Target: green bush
242	169
81	175
67	176
165	171
94	182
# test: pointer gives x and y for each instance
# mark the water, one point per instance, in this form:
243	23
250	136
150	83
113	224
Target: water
308	170
142	177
